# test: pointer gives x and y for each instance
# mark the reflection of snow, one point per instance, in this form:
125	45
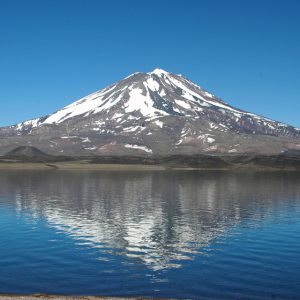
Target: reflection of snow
160	219
145	233
145	240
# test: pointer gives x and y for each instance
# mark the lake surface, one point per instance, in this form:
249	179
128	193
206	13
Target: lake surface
185	234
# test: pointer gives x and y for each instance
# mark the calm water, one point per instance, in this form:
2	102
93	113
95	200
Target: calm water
199	235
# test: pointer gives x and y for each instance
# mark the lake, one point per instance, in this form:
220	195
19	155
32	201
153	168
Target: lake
183	234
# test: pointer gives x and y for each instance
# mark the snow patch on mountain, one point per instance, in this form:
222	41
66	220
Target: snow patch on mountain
142	103
159	123
138	147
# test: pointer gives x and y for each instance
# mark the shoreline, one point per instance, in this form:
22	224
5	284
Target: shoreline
80	166
84	166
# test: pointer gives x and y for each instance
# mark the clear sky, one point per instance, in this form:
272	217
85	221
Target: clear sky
53	52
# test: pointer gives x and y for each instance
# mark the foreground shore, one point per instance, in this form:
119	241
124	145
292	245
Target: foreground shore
57	297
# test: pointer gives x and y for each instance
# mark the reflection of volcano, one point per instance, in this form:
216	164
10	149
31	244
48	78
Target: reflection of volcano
158	218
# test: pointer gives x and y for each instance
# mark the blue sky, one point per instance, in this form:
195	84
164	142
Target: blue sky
52	52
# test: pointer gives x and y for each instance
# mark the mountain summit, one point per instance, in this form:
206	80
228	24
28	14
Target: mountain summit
155	113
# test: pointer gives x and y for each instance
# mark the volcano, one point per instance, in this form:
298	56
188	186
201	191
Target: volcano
148	114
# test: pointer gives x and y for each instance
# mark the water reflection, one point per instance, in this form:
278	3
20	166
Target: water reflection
159	219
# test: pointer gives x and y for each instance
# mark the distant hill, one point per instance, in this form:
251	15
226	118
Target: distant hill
26	151
28	154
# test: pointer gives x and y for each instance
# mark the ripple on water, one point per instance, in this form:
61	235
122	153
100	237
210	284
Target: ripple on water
208	235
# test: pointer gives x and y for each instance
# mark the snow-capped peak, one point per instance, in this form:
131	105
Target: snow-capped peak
159	72
157	94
